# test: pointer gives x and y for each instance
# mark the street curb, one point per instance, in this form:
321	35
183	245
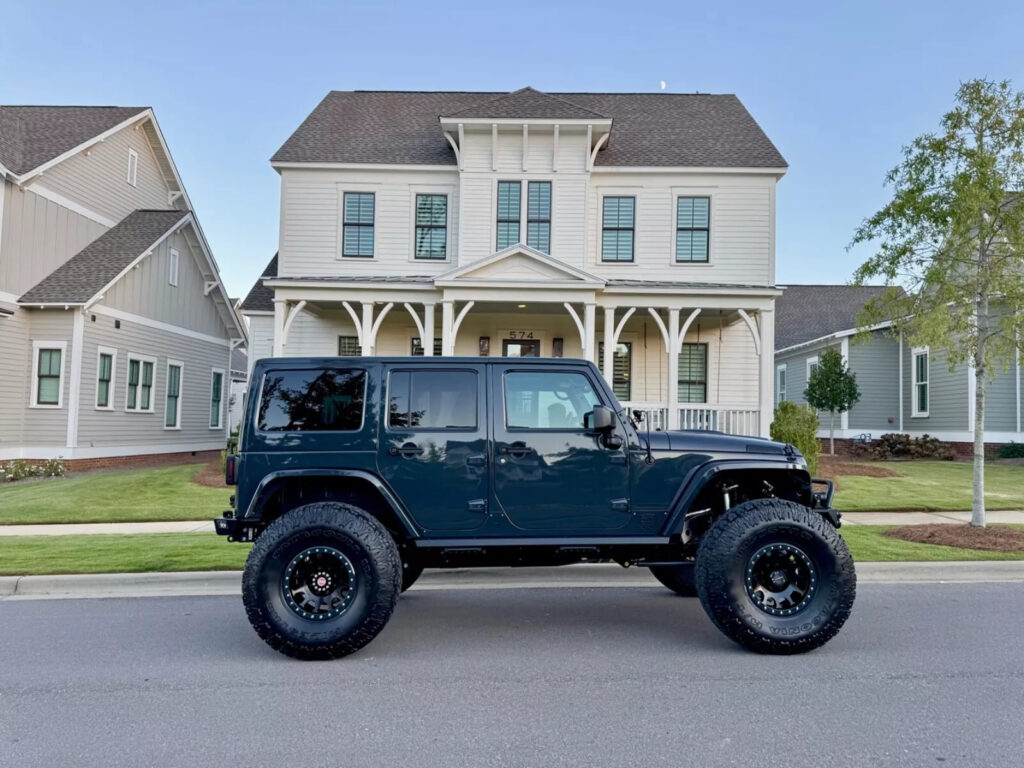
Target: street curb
216	583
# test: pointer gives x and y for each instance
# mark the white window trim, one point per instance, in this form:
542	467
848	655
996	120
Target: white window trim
677	192
781	369
419	189
914	354
174	264
113	379
181	393
602	193
220	414
362	189
132	175
37	346
811	361
524	219
127	373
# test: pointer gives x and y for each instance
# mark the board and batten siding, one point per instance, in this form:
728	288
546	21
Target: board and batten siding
98	179
118	427
47	426
311	221
146	290
15	381
38	237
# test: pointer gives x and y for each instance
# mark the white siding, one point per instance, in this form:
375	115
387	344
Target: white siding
99	179
261	338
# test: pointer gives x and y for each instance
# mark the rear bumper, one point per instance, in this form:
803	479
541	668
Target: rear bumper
235	529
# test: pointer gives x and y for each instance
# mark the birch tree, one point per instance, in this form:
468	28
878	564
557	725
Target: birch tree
950	244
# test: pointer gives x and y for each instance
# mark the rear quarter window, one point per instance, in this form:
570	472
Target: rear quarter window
317	400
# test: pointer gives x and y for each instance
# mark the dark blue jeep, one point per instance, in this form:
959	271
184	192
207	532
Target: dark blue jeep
355	474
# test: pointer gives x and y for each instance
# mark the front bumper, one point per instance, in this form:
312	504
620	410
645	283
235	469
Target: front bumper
821	501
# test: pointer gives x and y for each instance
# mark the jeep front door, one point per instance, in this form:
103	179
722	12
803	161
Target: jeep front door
434	445
550	471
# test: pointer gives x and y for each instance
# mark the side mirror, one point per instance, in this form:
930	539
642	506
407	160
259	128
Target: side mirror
601	419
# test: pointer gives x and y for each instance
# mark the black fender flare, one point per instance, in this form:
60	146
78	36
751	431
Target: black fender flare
392	501
699	477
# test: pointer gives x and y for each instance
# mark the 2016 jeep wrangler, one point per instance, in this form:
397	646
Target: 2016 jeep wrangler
355	474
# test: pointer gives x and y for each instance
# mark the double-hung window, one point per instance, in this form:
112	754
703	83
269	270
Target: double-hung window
618	221
216	396
780	383
693	373
509	205
348	346
693	228
48	382
105	378
357	235
538	215
920	389
431	227
139	391
172	402
622	365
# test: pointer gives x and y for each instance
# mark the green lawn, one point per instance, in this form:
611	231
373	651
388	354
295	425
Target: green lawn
133	495
104	553
930	486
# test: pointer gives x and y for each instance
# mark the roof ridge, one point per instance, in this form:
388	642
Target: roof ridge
525	89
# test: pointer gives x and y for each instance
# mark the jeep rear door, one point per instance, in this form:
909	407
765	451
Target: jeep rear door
550	472
434	444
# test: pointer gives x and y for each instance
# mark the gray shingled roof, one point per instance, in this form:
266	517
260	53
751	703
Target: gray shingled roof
648	129
87	272
260	298
806	312
31	136
528	103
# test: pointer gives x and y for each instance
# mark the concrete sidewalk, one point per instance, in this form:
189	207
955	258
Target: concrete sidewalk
206	526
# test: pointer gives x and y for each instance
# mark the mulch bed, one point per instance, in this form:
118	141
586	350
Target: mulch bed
832	467
210	475
995	538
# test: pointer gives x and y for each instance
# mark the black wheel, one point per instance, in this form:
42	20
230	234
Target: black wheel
678	578
775	577
321	581
410	572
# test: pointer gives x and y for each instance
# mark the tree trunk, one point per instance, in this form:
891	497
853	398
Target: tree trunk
831	433
978	504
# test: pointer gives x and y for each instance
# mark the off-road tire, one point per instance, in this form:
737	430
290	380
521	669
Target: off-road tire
369	550
411	571
725	557
679	578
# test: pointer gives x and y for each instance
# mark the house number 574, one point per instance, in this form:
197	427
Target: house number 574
520	334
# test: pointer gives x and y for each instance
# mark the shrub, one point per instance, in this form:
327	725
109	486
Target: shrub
798	425
1012	451
895	445
19	469
54	468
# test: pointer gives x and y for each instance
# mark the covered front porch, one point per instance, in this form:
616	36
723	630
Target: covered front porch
687	356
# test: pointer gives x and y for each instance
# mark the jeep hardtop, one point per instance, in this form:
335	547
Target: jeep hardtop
354	474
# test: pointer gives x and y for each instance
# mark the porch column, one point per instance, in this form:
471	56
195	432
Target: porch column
590	332
367	324
767	365
280	310
673	369
447	324
427	341
608	361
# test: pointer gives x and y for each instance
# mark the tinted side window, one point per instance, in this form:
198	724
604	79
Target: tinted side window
432	399
315	400
548	400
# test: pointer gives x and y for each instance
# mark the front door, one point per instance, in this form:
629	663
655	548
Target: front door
434	445
520	348
550	471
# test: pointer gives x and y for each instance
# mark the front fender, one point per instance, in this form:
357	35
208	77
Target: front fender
705	473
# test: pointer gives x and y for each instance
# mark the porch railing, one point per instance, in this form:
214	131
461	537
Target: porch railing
732	419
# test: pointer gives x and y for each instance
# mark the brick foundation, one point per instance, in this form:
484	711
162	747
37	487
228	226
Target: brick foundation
143	460
844	447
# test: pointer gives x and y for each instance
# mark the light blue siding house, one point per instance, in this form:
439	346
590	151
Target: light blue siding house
903	388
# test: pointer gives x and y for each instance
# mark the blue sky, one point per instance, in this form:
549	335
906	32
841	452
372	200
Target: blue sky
838	89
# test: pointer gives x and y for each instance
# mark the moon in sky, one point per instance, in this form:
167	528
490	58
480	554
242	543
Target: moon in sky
663	85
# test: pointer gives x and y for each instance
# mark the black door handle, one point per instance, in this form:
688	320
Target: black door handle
407	451
477	460
517	450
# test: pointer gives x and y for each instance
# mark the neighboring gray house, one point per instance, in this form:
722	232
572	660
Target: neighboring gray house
903	388
116	334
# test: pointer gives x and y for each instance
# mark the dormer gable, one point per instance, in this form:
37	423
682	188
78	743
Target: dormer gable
519	265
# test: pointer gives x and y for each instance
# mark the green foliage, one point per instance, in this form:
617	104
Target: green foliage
798	425
1012	451
19	469
895	445
831	386
952	237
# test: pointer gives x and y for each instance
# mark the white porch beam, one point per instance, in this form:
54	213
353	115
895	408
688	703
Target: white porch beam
579	323
280	310
753	328
367	325
290	316
447	322
376	324
416	319
590	332
355	321
608	361
686	328
458	321
428	329
674	347
766	349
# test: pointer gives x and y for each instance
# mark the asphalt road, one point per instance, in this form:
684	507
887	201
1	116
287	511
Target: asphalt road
922	675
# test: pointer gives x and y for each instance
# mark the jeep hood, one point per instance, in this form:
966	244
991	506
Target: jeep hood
703	441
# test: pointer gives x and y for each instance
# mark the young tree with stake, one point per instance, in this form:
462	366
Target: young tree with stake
953	238
831	387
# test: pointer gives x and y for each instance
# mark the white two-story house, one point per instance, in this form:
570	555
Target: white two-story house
634	230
